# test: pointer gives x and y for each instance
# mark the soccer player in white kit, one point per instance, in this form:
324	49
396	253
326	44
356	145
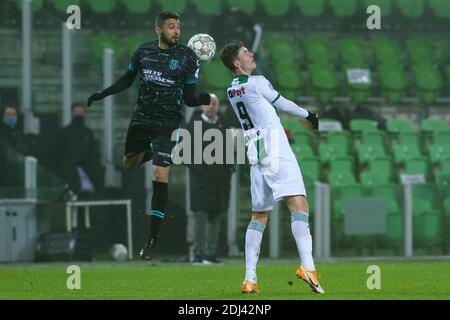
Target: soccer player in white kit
274	171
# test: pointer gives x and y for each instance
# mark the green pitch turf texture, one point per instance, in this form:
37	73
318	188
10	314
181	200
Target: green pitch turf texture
139	280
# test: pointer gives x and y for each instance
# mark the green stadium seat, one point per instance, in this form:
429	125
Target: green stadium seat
101	42
289	79
338	179
302	150
102	6
342	163
383	166
385	6
433	125
317	50
410	138
276	8
294	125
302	137
395	126
411	8
137	6
441	8
441	138
248	6
418	165
443	184
282	49
394	226
62	5
438	153
387	52
444	166
371	178
134	42
362	125
420	51
328	152
207	7
387	191
403	152
351	52
428	82
324	81
217	77
368	152
391	194
344	8
341	138
427	228
311	8
447	208
374	138
393	82
177	6
311	168
426	192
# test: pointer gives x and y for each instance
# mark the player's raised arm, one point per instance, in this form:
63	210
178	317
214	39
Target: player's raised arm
121	84
283	104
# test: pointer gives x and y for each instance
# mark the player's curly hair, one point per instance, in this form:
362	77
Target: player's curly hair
230	52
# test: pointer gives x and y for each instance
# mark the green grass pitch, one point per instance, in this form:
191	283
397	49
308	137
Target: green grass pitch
139	280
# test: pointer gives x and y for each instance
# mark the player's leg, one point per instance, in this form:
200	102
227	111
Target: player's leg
253	239
298	206
158	209
262	204
162	148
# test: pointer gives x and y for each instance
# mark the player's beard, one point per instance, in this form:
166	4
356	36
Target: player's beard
168	41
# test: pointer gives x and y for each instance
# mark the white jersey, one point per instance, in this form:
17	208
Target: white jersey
251	98
274	172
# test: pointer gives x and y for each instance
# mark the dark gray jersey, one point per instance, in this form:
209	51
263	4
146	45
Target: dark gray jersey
163	73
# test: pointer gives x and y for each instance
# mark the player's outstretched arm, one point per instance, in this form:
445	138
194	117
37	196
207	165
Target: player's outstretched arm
121	84
290	107
192	99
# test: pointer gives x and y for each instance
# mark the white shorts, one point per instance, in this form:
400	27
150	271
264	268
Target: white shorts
270	186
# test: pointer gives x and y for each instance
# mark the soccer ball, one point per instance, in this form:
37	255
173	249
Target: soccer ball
203	45
119	252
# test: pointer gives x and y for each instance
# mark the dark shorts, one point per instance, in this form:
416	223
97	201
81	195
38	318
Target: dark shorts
145	134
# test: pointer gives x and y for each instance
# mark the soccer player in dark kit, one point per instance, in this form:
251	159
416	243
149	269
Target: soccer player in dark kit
168	75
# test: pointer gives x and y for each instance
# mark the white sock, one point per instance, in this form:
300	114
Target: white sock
303	239
253	238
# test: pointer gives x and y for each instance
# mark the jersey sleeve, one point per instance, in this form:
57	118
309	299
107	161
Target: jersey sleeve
135	63
192	68
266	89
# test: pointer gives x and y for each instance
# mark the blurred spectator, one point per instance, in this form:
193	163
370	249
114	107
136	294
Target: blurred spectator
78	156
361	112
9	131
232	24
209	190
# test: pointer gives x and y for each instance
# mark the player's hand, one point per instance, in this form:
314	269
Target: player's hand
94	97
314	119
